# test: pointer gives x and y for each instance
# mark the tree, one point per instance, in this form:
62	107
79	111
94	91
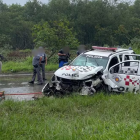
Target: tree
33	11
95	22
56	34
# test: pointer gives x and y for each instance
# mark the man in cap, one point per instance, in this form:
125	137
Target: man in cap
36	68
43	62
63	56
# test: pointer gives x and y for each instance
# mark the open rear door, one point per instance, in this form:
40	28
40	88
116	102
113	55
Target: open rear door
126	76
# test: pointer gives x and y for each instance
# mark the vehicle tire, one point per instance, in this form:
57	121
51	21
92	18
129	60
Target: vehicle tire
105	89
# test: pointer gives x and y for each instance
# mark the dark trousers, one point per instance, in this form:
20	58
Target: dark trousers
43	70
36	71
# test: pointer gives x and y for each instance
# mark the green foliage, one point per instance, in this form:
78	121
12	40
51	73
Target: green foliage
65	22
24	66
25	51
4	39
135	43
102	117
55	35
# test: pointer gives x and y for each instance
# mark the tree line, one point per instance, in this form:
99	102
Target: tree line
69	22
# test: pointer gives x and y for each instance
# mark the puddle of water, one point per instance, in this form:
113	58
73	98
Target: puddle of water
19	85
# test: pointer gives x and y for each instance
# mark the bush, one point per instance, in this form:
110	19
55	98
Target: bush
135	44
25	51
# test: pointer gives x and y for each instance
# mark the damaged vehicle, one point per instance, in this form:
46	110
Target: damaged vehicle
89	72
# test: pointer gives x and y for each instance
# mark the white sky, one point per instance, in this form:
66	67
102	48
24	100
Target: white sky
21	2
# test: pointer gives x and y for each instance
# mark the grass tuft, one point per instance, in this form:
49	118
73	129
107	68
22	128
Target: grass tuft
114	117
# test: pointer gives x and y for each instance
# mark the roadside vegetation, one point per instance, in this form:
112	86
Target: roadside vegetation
24	66
102	117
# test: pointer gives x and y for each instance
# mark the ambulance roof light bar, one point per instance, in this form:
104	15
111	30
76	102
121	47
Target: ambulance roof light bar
104	48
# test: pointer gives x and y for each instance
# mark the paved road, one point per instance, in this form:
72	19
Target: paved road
18	84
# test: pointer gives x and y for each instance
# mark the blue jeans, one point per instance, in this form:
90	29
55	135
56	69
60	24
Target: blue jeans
61	63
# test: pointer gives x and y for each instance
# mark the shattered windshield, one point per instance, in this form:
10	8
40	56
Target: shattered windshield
90	60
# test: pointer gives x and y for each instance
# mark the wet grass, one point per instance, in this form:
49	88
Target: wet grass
102	117
23	66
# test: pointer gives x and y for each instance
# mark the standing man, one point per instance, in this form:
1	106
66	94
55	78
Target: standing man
43	62
36	70
81	49
63	56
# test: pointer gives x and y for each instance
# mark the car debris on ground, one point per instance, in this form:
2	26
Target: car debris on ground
2	97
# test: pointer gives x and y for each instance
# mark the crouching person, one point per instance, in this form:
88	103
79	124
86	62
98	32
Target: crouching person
36	68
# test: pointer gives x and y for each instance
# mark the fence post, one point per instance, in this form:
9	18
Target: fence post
0	66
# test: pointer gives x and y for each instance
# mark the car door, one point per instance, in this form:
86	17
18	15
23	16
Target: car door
126	78
131	57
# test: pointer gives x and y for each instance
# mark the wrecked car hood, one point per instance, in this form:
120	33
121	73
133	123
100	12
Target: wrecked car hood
77	72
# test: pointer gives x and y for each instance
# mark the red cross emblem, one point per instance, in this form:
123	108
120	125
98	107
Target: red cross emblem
128	81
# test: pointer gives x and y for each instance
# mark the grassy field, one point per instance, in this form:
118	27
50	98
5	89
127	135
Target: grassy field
102	117
23	66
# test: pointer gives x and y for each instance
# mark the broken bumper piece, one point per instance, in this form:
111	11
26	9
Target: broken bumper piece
2	96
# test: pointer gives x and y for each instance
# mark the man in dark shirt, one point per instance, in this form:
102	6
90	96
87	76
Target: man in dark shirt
63	56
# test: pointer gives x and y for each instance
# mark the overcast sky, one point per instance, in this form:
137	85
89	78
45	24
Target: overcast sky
21	2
